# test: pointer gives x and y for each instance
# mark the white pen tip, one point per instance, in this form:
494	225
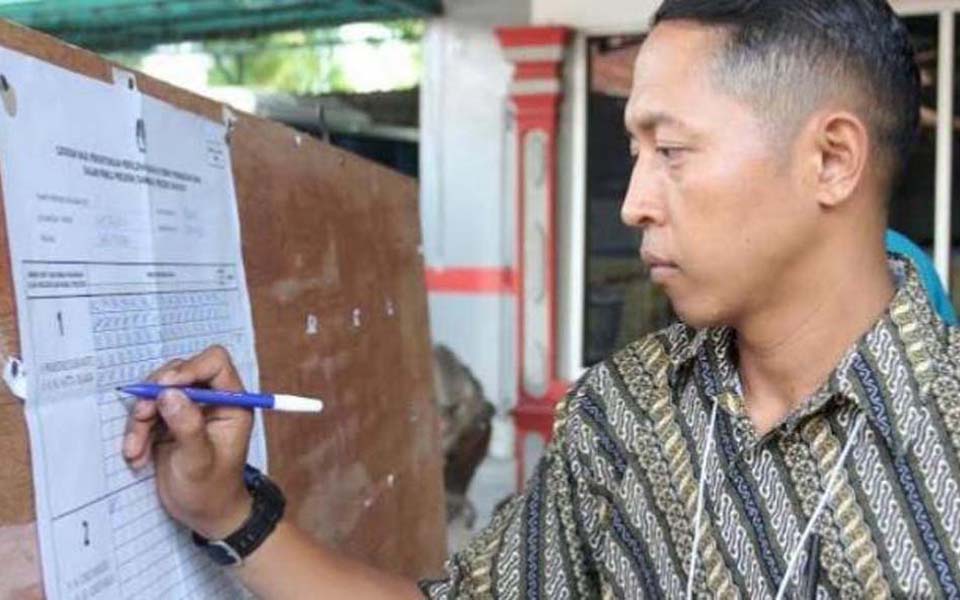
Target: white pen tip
288	403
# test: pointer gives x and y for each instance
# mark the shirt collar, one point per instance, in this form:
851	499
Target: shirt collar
909	319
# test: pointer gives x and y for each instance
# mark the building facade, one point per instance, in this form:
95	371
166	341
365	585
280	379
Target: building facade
531	277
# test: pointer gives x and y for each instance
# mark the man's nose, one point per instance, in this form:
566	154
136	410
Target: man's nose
643	205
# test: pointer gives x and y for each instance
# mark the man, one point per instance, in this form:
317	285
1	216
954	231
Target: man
797	435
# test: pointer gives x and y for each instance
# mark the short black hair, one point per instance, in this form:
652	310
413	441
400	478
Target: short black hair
785	56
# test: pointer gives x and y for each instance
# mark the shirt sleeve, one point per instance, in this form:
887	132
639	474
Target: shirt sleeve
544	542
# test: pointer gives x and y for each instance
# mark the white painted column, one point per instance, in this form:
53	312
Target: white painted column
944	166
573	209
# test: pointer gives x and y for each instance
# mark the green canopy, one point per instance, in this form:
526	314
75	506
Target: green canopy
109	25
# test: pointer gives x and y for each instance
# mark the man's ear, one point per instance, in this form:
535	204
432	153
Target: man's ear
841	146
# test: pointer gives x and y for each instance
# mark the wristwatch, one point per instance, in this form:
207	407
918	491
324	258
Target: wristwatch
268	505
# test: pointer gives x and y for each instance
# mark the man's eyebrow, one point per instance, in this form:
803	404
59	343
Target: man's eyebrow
646	121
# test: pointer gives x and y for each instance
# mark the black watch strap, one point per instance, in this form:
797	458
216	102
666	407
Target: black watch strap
268	507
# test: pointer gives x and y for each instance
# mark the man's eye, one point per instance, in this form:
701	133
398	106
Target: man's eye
670	152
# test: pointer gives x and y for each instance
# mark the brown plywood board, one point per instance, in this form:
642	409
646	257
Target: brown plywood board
325	235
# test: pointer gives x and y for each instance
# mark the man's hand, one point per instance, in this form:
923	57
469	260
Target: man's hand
199	451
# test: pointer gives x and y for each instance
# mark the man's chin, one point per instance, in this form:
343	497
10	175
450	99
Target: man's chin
697	316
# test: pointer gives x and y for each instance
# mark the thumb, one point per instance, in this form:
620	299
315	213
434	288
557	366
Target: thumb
192	450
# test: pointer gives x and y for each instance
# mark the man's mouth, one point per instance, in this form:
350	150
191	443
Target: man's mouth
654	260
660	267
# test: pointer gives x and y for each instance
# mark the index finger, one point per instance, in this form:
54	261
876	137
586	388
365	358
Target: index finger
212	367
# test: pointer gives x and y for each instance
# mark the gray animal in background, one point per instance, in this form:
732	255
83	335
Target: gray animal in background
465	416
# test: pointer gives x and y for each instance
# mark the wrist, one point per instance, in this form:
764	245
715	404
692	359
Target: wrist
230	520
229	543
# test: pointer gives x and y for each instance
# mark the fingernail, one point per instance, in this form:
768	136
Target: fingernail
170	402
141	409
167	377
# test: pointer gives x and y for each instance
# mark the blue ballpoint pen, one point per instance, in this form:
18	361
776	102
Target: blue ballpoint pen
282	402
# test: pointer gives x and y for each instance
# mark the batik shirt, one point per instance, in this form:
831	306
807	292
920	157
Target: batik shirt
610	510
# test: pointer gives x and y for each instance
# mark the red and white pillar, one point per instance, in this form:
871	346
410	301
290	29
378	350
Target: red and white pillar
536	91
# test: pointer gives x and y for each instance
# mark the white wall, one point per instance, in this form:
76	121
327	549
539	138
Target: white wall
467	198
464	119
613	16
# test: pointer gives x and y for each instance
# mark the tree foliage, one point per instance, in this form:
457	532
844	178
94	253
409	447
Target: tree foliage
295	62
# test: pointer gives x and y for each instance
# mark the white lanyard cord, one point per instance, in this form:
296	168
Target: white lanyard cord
694	554
828	492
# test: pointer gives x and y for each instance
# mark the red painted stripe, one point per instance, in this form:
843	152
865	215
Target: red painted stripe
477	280
532	36
537	70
